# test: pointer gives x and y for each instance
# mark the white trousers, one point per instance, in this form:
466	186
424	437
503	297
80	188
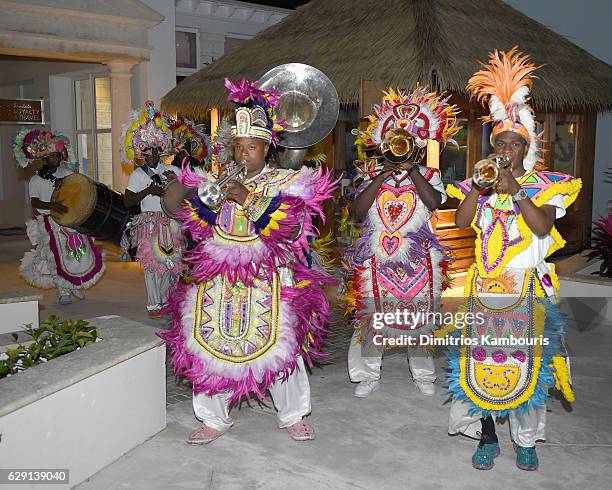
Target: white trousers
367	368
64	291
291	399
157	286
525	429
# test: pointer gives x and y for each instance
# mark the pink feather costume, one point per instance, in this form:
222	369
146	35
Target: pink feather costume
255	307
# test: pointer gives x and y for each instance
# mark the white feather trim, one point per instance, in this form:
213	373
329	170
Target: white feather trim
519	98
526	118
38	267
497	109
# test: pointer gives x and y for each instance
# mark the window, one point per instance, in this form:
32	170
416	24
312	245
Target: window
453	159
93	118
564	153
187	51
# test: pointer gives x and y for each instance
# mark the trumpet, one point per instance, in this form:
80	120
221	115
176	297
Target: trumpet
487	171
397	146
214	194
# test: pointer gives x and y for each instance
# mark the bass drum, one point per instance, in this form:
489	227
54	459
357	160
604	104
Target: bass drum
174	198
93	208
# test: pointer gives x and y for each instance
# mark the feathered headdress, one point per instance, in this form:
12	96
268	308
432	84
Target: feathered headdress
31	145
504	83
185	130
424	115
255	116
144	129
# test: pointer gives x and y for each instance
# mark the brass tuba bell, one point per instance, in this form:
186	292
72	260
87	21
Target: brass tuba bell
309	105
486	171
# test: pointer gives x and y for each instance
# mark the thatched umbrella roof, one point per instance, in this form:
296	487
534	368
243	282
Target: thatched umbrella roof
401	42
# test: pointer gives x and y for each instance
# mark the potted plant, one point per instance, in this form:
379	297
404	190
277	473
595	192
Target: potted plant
601	244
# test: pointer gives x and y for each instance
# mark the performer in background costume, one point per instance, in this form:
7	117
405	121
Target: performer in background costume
61	258
398	263
159	241
255	316
511	286
189	141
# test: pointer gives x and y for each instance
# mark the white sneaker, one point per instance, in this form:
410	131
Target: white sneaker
366	388
78	293
427	388
154	309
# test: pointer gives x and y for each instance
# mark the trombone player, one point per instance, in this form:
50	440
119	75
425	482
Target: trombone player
399	265
254	315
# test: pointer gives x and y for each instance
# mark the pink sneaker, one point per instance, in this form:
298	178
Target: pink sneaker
301	431
204	435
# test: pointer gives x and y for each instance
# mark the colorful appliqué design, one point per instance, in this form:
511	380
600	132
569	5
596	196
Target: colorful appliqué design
490	372
256	307
235	322
501	231
505	283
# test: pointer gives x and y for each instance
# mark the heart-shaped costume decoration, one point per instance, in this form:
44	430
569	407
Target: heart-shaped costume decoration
406	111
390	243
395	209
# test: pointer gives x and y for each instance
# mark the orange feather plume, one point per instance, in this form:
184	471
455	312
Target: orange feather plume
505	73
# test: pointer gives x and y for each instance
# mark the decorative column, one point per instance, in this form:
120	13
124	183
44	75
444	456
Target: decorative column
121	104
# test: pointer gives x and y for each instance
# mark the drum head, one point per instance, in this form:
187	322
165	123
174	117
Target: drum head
78	193
173	198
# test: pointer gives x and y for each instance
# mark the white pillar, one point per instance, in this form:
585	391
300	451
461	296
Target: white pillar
121	104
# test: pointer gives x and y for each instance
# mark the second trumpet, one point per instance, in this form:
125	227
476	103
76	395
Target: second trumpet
487	171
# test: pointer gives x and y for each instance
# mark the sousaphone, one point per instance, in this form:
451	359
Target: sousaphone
309	105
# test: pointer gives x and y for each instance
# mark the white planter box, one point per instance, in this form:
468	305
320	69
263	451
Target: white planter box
586	297
17	310
85	409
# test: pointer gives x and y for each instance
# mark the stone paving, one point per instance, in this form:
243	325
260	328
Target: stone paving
397	438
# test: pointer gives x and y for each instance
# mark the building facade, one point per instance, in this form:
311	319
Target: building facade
91	62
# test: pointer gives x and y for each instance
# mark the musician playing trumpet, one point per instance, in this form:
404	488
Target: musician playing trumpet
254	315
398	265
511	287
512	147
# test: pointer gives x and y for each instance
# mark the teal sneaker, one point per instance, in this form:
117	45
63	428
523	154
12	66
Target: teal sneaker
484	456
526	458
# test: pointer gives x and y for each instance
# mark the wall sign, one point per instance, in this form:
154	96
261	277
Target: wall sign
22	111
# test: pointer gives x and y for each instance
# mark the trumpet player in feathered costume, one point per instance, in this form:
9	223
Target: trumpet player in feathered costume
511	289
398	263
255	314
159	241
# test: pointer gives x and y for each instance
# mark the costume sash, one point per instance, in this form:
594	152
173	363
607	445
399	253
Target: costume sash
502	350
235	322
77	259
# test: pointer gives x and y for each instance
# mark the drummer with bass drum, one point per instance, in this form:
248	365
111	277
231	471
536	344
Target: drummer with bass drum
61	257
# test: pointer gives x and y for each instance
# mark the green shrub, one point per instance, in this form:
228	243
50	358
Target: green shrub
50	340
